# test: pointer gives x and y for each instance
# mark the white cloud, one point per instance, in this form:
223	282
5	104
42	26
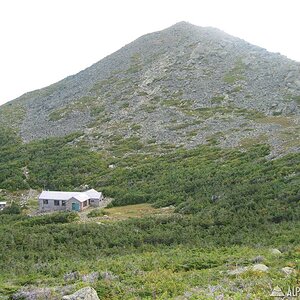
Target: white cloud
45	41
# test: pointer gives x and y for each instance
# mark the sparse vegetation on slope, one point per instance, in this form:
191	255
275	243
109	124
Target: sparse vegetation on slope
203	78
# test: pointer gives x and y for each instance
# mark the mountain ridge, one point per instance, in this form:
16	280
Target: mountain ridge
182	86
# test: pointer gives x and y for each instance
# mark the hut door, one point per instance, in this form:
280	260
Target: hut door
75	206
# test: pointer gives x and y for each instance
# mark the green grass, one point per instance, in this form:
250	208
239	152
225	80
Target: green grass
56	115
208	112
236	73
91	103
12	113
96	213
136	64
149	108
217	99
175	102
297	99
125	105
136	127
292	97
176	127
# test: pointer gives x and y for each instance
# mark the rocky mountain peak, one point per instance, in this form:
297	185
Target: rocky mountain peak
182	86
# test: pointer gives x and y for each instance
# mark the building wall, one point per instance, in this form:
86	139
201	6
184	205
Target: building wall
73	200
94	202
50	206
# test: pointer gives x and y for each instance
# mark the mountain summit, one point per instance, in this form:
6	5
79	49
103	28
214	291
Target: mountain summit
182	86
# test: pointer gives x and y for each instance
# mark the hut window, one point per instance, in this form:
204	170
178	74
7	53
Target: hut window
45	201
56	202
85	203
63	203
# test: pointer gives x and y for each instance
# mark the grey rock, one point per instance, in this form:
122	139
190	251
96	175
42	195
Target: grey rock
238	271
91	278
86	293
71	276
215	198
258	259
288	271
260	268
275	251
42	293
33	294
108	276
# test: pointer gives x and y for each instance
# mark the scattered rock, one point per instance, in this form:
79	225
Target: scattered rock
288	271
168	207
86	293
275	251
215	198
238	271
91	278
260	268
108	276
41	293
71	276
257	259
33	294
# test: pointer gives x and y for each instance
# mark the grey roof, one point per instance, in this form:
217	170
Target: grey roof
57	195
93	194
80	196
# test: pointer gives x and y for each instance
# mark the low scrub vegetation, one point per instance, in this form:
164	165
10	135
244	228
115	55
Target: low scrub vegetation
230	206
162	255
96	213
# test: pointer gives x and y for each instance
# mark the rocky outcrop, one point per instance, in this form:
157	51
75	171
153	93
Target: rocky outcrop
275	251
238	271
288	271
260	268
42	293
184	85
86	293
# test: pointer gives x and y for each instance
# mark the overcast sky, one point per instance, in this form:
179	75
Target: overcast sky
43	41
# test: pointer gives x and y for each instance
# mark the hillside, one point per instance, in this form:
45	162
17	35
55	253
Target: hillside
194	134
179	87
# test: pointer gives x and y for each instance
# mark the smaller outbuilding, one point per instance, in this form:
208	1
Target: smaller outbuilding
2	204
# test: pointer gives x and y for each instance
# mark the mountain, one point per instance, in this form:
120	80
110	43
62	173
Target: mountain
174	128
180	86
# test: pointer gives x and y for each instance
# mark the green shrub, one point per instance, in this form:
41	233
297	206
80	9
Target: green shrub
96	213
53	218
13	209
